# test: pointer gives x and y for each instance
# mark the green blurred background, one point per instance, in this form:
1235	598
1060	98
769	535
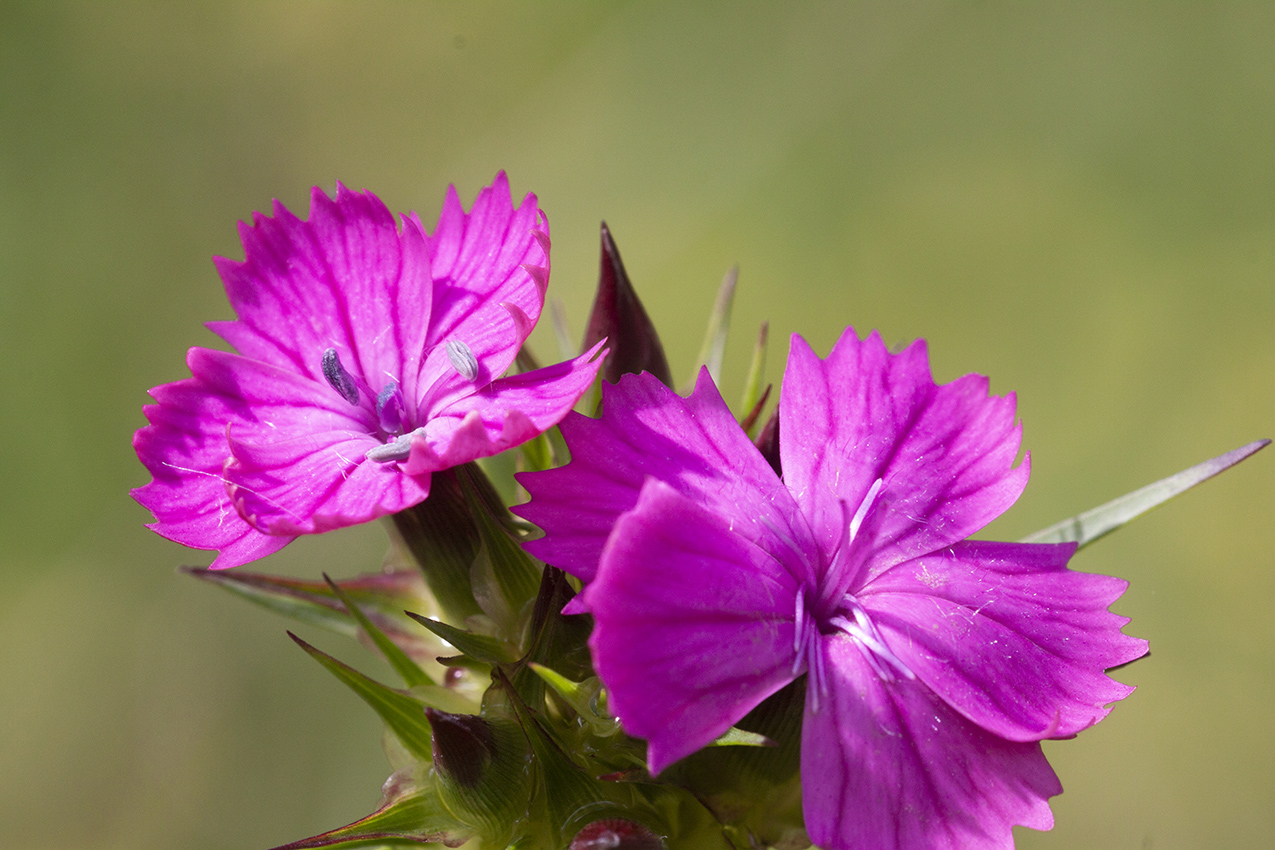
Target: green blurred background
1078	200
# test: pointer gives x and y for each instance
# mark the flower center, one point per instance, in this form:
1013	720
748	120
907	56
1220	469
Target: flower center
392	413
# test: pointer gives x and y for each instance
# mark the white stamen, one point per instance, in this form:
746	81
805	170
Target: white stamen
462	358
400	448
864	507
865	634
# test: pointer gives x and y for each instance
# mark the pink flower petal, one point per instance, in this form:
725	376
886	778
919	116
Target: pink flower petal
889	766
346	279
315	483
505	414
693	444
945	454
477	260
1007	635
684	644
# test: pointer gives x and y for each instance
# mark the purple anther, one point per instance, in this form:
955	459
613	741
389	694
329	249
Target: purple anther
390	408
339	379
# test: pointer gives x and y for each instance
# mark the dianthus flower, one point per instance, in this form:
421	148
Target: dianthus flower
369	356
935	664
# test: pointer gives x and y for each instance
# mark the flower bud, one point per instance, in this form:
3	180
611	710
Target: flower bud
618	316
481	768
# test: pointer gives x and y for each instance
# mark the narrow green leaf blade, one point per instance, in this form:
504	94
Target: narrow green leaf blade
713	350
406	667
404	715
382	596
753	384
482	648
1089	526
414	818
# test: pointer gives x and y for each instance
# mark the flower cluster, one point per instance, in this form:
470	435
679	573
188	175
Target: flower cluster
767	642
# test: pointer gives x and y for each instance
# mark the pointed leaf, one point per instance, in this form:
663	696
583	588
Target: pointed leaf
618	316
404	714
749	422
412	675
1087	527
381	596
561	331
481	765
713	350
418	817
481	648
526	361
754	397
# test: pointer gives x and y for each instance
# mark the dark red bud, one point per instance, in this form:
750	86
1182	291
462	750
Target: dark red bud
463	746
619	316
616	834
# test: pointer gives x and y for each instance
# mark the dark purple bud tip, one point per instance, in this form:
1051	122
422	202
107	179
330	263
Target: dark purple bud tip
463	746
339	379
618	316
616	834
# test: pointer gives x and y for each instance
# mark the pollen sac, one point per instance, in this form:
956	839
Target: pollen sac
390	408
400	448
462	358
616	834
339	379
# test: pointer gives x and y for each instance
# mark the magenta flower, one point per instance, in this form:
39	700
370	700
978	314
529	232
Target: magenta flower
369	356
935	664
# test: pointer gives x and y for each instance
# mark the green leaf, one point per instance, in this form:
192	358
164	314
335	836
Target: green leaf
404	714
482	648
412	674
713	350
754	398
561	331
417	817
1087	527
736	737
381	596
